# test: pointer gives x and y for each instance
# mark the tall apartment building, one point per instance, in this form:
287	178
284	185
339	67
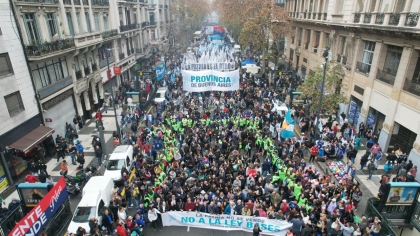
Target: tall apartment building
20	114
377	44
70	44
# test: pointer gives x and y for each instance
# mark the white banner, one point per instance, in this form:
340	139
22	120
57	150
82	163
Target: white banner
220	66
210	80
225	222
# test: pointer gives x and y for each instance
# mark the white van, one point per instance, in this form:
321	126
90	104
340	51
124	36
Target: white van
280	108
121	156
236	48
160	94
96	195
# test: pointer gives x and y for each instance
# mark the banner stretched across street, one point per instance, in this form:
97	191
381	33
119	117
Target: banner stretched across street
210	80
225	222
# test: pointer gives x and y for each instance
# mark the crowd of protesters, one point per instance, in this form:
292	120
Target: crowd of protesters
222	153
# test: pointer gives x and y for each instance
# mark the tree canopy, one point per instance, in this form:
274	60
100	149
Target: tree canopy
312	86
253	22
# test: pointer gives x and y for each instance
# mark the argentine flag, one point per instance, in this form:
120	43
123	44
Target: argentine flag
288	126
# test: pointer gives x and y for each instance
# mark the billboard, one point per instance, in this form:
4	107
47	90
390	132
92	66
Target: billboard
210	80
38	217
399	195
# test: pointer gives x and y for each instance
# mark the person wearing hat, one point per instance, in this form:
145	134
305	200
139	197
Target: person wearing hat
13	204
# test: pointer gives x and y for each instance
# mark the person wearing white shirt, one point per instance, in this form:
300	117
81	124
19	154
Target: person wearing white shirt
153	218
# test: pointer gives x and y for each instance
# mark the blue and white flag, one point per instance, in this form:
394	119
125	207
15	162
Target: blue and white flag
160	71
288	126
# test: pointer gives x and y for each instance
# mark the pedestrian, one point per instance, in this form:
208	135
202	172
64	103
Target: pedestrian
371	168
60	152
357	197
98	154
30	178
63	168
33	167
120	228
153	218
81	159
256	230
107	221
98	115
105	105
72	152
314	153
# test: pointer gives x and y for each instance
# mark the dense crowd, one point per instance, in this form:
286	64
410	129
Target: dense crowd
222	153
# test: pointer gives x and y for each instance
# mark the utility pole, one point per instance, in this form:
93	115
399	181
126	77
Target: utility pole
115	115
102	139
317	131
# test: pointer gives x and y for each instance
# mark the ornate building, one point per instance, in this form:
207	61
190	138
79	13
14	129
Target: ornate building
377	43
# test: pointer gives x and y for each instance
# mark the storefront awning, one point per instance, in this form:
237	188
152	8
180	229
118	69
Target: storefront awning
33	138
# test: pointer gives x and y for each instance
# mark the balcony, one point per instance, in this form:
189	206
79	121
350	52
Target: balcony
315	49
78	75
85	2
357	17
160	5
100	2
319	16
306	46
94	67
412	86
145	24
124	28
103	62
39	1
385	77
380	18
151	6
76	2
109	33
325	16
368	18
293	40
67	2
42	49
121	56
54	87
338	58
139	50
412	19
87	71
363	67
166	6
394	19
142	1
153	23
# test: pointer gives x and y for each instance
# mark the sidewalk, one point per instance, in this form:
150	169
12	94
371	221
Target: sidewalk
85	137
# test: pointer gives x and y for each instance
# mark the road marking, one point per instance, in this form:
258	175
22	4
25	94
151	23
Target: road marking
188	229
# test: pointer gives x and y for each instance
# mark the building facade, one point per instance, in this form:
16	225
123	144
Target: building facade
20	113
71	44
377	44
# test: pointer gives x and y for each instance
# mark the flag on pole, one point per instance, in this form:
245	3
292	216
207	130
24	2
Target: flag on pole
289	127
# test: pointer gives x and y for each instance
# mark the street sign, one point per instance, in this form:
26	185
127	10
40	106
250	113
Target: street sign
285	73
141	73
147	73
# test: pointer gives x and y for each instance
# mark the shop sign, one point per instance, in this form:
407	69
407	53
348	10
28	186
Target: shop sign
3	179
117	70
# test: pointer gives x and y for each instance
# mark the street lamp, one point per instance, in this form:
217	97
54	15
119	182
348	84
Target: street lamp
317	131
108	73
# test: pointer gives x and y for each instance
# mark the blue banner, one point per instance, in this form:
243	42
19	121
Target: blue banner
160	71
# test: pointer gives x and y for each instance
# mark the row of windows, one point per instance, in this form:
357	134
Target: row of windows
34	33
49	72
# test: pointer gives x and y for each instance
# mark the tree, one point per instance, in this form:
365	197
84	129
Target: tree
254	23
312	86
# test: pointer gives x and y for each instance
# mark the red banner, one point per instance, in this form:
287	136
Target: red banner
117	70
38	217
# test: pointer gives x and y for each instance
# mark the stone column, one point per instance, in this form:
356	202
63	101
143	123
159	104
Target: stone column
77	30
92	20
377	61
124	19
64	21
101	90
86	98
78	101
94	93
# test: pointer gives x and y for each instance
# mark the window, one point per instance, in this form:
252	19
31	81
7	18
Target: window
70	23
14	103
85	62
339	4
292	52
327	40
416	75
5	65
87	17
152	18
49	72
51	20
317	37
96	19
31	28
342	45
78	21
103	51
300	36
105	22
76	64
368	52
308	36
392	60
